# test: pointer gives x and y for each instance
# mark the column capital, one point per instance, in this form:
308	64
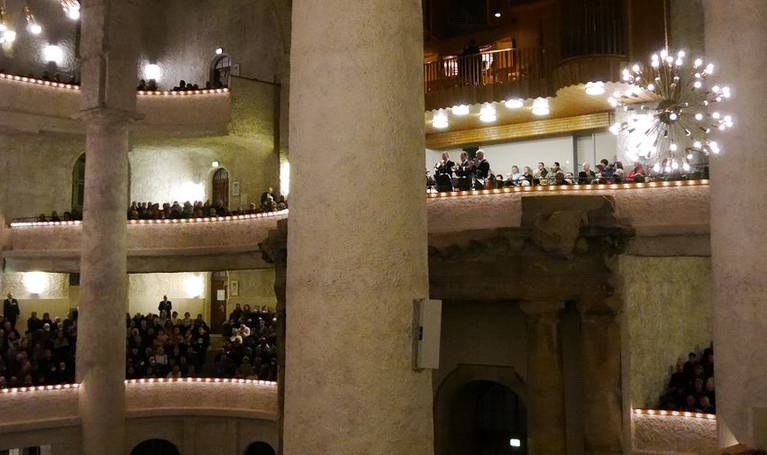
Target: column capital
541	308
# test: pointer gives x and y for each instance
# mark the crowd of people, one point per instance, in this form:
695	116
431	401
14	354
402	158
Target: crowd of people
163	345
691	386
269	202
250	345
473	174
183	86
158	345
42	353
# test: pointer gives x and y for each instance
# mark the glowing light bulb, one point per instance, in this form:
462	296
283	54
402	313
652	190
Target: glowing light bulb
635	68
651	87
9	36
699	116
686	166
53	53
698	62
714	147
697	144
34	28
487	114
681	54
514	103
656	168
673	147
73	12
440	120
541	107
460	110
673	116
716	115
674	165
697	84
595	88
709	68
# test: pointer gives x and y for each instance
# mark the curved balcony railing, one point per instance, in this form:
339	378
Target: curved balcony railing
29	104
487	76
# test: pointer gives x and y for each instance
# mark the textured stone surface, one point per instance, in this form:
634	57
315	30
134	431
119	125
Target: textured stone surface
640	208
672	434
668	311
545	389
356	264
162	410
739	253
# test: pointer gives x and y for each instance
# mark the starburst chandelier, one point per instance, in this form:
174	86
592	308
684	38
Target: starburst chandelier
669	111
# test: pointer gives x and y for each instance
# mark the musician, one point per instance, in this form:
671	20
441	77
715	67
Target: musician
443	173
481	170
464	172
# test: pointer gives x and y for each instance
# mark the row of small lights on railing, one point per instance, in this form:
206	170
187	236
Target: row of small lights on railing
31	80
665	413
162	221
569	188
42	388
515	189
488	114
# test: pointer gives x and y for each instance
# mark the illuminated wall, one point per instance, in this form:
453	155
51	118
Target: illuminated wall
668	312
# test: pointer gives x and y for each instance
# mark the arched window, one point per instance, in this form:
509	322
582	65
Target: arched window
220	70
221	188
78	184
155	447
260	448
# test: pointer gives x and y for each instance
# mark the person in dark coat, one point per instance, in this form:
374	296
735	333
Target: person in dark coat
11	310
443	173
165	307
481	170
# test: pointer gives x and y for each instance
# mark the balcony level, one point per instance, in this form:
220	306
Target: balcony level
34	105
669	218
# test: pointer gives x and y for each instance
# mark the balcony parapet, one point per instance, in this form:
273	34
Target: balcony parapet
488	76
33	105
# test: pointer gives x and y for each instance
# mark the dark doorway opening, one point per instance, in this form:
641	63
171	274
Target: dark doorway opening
260	448
155	447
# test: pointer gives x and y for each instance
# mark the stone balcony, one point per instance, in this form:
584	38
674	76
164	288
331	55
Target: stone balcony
33	105
223	416
668	219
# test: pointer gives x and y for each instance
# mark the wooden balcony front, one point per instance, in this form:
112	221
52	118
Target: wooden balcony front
488	76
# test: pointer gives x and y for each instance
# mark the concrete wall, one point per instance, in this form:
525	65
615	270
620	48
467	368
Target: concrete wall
668	312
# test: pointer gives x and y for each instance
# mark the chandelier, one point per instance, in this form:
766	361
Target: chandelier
8	32
669	111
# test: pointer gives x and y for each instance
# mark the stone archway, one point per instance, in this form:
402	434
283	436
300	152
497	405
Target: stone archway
452	393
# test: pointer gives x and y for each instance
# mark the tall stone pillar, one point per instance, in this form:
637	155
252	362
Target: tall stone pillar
601	367
357	230
108	101
736	39
545	386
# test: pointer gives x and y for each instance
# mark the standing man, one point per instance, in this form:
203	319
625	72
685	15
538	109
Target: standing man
165	307
11	310
481	170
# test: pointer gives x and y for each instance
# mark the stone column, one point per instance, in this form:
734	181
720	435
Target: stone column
108	101
736	40
357	230
545	387
601	367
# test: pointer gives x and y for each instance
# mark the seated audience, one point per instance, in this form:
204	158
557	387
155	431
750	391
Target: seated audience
691	386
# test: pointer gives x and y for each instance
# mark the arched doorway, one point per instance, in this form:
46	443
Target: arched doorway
493	417
78	184
155	447
220	192
260	448
479	409
220	71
